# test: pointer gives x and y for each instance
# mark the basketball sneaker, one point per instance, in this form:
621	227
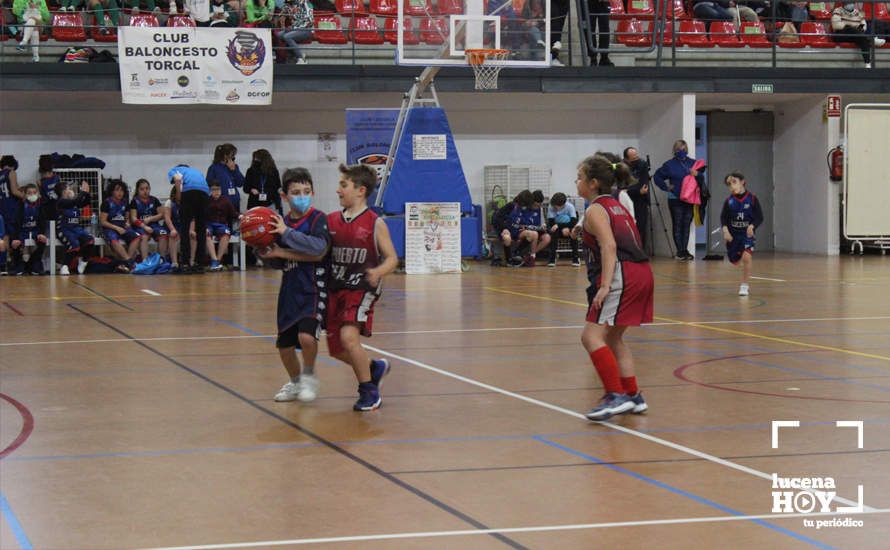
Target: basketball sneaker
368	397
81	266
640	405
743	289
576	262
379	369
610	405
64	270
308	388
288	392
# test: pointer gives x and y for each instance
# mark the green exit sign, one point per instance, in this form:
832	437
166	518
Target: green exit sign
761	88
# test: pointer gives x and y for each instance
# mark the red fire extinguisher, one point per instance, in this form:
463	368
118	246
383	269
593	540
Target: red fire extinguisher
836	164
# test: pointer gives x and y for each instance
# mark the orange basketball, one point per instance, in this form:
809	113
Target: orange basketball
256	227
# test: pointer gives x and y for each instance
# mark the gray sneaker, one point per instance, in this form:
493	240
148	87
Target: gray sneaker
610	405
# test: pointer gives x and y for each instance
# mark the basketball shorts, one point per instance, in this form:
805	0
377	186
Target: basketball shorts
349	307
290	337
218	229
159	231
112	236
740	243
630	299
2	227
74	237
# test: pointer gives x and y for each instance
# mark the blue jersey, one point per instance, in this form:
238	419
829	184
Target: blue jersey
48	187
117	211
8	202
741	211
145	208
31	221
302	294
69	210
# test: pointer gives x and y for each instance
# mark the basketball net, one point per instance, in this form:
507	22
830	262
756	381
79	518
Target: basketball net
486	63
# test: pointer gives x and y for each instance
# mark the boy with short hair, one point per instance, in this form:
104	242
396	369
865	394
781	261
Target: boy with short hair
304	243
740	217
114	218
561	218
220	216
79	243
358	240
29	240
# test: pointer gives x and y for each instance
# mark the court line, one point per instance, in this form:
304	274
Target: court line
768	279
16	311
706	327
538	529
99	294
681	492
419	493
151	292
14	525
27	426
573	414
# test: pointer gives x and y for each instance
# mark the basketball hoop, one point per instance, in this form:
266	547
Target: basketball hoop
486	63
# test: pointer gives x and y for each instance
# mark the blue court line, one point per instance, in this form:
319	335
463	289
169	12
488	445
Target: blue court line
14	524
675	490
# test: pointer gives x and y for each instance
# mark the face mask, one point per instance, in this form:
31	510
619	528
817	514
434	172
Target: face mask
849	7
300	203
256	162
681	154
31	198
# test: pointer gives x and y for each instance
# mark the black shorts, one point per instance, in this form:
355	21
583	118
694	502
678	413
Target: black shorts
290	338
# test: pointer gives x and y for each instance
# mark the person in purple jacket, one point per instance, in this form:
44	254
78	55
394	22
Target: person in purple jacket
669	178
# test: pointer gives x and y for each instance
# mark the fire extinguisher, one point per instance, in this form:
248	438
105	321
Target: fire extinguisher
836	163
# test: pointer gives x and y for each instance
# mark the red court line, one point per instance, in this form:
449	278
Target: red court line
10	306
27	426
680	372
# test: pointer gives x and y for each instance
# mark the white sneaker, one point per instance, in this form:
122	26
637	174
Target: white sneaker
81	266
64	270
288	392
879	42
308	388
556	63
302	60
743	290
868	65
172	9
35	58
556	46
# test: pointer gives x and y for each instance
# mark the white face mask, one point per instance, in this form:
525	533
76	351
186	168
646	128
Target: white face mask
849	7
31	198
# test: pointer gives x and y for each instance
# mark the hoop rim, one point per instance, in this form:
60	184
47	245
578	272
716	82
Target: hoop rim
477	56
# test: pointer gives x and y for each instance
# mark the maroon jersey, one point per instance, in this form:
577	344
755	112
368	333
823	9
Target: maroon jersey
353	250
627	238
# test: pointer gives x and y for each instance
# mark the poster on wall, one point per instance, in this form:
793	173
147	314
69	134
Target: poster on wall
432	237
175	65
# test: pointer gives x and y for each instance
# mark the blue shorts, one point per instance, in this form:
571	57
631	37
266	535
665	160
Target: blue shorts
25	235
112	236
2	227
75	237
158	231
740	243
218	229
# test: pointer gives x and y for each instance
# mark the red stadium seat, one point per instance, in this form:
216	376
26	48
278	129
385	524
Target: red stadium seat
641	9
616	9
433	31
365	30
144	20
110	34
68	27
384	7
351	6
634	33
677	9
391	33
692	33
419	7
754	35
820	10
787	44
814	35
450	7
180	21
328	29
881	12
723	34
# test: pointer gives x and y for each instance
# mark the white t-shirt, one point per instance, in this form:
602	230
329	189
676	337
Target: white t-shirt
625	201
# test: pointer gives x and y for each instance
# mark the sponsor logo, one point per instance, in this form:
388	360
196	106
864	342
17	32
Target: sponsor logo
377	161
158	82
134	81
232	96
183	81
258	94
246	52
184	94
210	82
159	94
233	82
256	82
211	94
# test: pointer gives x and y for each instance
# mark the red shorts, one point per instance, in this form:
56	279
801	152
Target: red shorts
630	299
353	307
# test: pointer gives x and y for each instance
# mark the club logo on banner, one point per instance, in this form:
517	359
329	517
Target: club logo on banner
198	65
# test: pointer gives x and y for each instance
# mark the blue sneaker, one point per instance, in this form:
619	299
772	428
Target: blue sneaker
368	397
379	369
640	405
610	405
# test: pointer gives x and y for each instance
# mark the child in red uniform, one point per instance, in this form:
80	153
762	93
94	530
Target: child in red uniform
358	241
615	256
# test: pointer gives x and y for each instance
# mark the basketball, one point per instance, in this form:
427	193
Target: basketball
256	227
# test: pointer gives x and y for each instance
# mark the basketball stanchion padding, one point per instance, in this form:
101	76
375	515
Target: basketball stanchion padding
486	63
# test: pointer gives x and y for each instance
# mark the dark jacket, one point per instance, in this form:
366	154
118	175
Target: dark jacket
270	184
674	170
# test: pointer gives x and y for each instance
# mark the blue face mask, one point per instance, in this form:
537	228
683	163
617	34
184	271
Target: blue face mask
681	154
300	203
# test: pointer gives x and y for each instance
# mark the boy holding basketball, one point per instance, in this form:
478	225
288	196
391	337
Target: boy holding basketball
740	217
304	242
362	253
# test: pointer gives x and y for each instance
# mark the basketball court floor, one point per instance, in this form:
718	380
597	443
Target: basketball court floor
137	412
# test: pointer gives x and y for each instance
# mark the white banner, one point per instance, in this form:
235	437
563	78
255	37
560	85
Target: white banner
432	237
175	65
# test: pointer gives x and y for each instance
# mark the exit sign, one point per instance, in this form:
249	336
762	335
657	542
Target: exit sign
761	88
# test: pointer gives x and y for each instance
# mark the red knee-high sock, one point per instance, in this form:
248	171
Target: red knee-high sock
607	368
630	385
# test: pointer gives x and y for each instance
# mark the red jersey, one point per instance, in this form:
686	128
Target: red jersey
627	238
353	250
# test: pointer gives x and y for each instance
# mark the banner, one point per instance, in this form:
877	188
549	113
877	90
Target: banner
432	237
176	65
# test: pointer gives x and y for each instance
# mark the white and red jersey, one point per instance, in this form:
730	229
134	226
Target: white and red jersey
353	250
629	246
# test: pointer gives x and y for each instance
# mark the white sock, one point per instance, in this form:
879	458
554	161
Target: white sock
28	33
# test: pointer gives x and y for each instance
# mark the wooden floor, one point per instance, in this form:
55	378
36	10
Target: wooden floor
137	412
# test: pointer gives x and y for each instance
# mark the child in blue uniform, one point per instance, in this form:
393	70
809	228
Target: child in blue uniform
113	219
146	216
3	238
78	243
740	218
29	241
9	201
300	253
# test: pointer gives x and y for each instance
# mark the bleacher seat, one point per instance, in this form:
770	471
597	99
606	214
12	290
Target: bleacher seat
180	21
792	44
881	12
433	30
111	31
144	20
450	7
351	6
616	9
391	32
68	27
365	30
820	10
384	7
668	38
753	35
419	7
692	33
677	9
640	9
814	35
328	29
634	33
723	34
